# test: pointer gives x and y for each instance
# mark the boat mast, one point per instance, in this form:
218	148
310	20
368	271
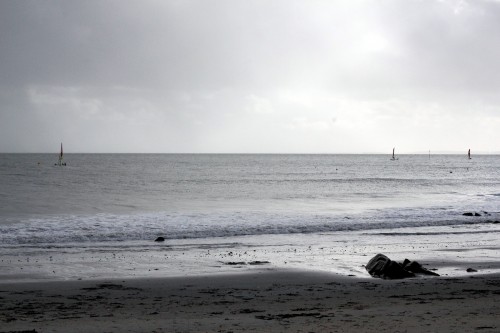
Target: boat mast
61	155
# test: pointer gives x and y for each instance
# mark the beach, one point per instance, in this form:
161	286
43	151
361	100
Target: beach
260	301
261	284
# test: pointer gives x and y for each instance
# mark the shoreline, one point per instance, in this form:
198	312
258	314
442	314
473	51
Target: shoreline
266	300
450	250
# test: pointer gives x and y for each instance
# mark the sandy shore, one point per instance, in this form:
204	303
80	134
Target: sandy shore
264	301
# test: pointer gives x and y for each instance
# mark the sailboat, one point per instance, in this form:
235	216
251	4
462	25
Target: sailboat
468	154
60	162
393	158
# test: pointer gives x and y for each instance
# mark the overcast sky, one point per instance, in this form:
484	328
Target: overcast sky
261	76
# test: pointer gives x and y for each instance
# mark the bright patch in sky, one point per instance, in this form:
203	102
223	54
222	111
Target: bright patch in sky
250	76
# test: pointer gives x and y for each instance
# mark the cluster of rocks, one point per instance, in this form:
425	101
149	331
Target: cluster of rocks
240	263
476	214
473	214
382	267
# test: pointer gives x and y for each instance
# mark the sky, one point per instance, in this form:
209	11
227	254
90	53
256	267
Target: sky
260	76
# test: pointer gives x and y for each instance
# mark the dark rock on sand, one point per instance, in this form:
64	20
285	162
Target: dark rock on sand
471	214
258	262
234	263
160	239
471	270
383	267
415	268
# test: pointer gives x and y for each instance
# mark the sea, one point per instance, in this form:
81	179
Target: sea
100	214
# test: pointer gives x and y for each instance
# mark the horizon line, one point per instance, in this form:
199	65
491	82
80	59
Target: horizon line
275	153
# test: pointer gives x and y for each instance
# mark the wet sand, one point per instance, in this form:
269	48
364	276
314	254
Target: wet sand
259	301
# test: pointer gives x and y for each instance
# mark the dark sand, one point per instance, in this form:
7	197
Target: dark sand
266	301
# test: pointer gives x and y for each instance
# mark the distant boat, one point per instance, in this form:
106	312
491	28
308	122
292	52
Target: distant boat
393	158
60	162
468	154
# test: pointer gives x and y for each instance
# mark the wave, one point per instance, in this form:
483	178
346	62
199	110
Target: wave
116	228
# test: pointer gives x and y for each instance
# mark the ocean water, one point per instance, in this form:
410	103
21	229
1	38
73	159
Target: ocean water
98	215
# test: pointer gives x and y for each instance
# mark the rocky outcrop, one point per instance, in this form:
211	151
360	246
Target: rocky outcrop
472	214
415	268
382	267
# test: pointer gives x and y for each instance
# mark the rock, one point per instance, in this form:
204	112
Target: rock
258	262
471	270
471	214
234	263
160	239
415	268
383	267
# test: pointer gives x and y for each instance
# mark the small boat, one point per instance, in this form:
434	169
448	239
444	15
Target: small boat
468	154
60	162
393	158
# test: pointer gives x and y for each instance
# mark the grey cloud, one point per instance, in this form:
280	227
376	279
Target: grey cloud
209	45
210	75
